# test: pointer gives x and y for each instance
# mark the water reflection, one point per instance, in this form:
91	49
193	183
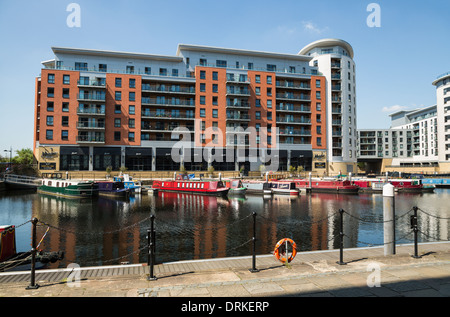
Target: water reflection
109	231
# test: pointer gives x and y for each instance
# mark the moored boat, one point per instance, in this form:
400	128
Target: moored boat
68	188
236	187
257	187
284	188
215	188
327	186
407	185
369	186
113	189
134	187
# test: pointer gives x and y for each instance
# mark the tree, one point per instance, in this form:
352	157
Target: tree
24	157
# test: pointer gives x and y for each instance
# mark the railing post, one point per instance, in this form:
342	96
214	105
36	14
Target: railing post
341	234
33	284
254	269
416	230
151	248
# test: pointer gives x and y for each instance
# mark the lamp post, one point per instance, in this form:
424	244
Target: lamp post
10	156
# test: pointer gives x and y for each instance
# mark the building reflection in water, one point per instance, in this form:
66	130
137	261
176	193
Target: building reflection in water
107	231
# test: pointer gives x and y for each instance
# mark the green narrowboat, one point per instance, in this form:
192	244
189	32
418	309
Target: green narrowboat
68	188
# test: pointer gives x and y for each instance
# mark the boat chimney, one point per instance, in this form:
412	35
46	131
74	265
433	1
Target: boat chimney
267	176
174	175
350	176
310	184
220	176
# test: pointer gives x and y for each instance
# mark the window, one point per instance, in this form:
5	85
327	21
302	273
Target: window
49	120
202	74
81	66
202	112
318	96
131	109
118	82
269	91
202	100
130	69
50	106
215	88
162	72
202	87
132	83
65	107
215	113
64	135
66	79
118	95
215	101
215	75
174	72
49	134
102	68
117	123
50	92
65	121
51	78
258	90
292	69
203	62
269	103
116	135
319	141
250	65
148	70
221	63
318	83
271	68
131	136
66	93
117	109
257	102
258	115
318	106
257	79
319	129
131	123
132	96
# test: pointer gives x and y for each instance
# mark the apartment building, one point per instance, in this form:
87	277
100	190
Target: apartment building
442	84
96	109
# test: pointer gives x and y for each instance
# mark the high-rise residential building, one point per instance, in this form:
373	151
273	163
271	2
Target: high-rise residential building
334	60
442	84
96	109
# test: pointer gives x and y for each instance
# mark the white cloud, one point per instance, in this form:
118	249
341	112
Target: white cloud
394	108
311	27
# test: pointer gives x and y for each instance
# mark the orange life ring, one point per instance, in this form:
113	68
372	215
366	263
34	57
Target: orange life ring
281	257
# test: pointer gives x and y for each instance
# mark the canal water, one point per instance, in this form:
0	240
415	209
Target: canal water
105	231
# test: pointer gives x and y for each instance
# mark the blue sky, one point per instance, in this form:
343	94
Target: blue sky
396	63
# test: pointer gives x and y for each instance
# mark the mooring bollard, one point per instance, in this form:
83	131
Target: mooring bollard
33	284
254	269
416	230
389	219
151	248
341	234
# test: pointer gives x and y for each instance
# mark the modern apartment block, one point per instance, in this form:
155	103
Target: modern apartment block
442	84
96	109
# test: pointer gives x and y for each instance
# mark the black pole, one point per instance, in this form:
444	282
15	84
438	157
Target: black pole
151	248
416	230
33	284
254	269
341	234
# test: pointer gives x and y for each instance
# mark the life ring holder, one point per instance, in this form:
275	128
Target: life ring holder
279	256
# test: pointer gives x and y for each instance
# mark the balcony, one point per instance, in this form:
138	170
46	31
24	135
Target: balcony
90	125
238	91
97	111
238	104
169	116
293	85
168	89
293	120
288	132
96	97
95	138
292	108
99	83
291	96
168	102
237	116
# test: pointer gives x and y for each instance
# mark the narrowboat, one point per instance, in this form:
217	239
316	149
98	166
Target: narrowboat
10	259
113	189
235	186
134	186
68	188
257	187
407	185
214	188
327	186
369	186
284	188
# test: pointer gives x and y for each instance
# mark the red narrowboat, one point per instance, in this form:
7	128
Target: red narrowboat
407	185
214	188
369	186
327	186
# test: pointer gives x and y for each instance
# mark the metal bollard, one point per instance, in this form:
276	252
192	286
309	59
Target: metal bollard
254	269
151	248
33	284
341	233
416	230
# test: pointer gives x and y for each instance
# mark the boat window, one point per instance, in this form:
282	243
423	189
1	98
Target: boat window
57	184
203	185
292	185
178	184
